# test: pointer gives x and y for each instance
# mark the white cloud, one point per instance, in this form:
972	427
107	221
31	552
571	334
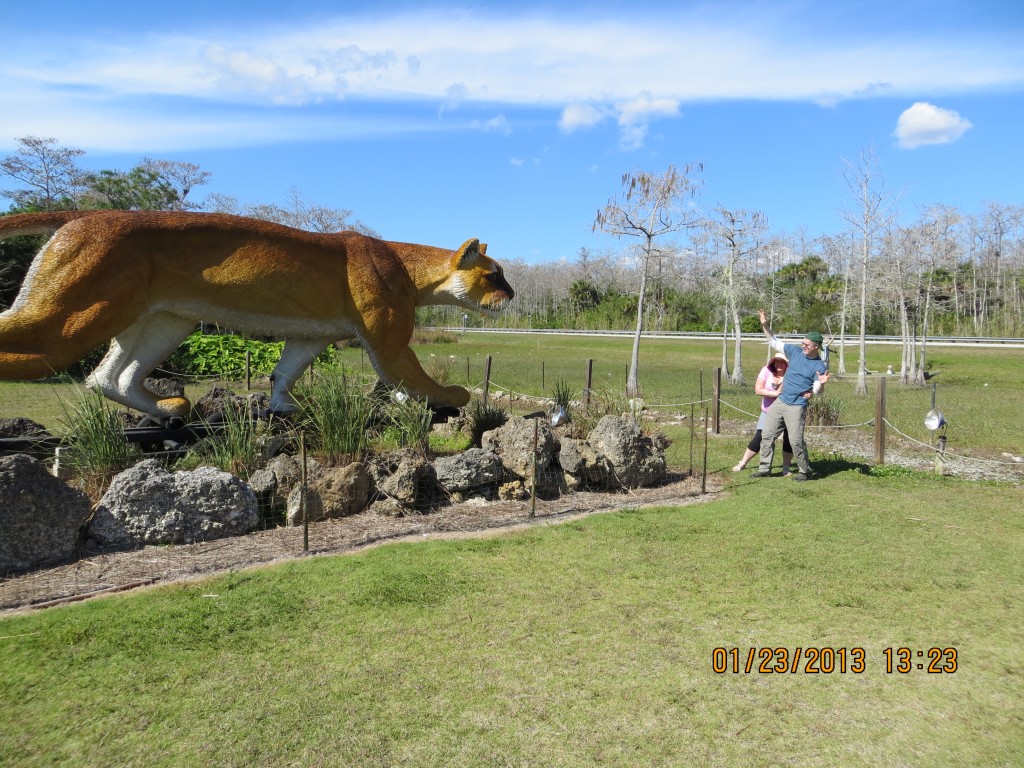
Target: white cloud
635	116
924	124
497	124
577	116
643	108
588	70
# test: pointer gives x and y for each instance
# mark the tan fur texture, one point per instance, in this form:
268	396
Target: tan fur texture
145	279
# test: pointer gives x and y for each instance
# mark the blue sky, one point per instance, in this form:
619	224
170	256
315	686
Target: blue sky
435	122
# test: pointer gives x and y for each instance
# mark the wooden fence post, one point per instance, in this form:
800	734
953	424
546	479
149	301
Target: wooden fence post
880	422
716	401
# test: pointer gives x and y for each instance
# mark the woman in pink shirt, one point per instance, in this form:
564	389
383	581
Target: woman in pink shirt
768	385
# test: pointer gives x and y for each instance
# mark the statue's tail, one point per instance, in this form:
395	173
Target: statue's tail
30	345
45	223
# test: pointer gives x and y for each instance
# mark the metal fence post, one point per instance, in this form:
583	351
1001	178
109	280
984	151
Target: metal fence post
716	401
487	376
587	384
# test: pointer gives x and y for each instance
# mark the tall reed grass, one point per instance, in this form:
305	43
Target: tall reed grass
97	449
236	447
337	411
405	419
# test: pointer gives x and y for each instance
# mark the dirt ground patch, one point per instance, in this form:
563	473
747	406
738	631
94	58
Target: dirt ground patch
103	573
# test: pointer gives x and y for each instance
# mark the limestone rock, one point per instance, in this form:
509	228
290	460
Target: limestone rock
40	516
21	427
584	466
636	459
149	505
513	443
468	471
333	492
412	483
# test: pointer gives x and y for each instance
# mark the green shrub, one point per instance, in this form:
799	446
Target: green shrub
223	355
562	395
603	402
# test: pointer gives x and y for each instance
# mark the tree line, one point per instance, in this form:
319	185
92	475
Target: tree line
945	272
684	266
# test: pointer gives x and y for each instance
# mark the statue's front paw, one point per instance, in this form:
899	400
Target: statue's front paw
456	397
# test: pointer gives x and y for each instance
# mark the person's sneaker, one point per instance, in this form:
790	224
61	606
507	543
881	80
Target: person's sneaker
761	473
799	477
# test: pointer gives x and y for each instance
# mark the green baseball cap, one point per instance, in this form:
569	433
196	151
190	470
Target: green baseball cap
815	337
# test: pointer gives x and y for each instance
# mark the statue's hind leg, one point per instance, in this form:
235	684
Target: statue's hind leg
296	357
133	355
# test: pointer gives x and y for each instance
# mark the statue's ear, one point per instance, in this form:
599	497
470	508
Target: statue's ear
467	254
483	249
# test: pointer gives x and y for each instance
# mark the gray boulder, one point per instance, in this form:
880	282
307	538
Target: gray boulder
412	484
21	427
165	387
286	474
469	471
149	505
513	443
583	465
333	492
264	485
40	516
406	477
212	405
636	459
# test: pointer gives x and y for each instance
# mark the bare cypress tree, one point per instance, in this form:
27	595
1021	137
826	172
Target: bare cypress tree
739	233
872	214
651	207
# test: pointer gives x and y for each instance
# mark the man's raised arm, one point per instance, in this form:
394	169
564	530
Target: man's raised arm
775	343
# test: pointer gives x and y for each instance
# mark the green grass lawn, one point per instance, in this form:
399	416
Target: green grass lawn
582	644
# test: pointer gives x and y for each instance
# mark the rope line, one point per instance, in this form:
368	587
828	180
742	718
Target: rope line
676	405
950	454
816	426
745	413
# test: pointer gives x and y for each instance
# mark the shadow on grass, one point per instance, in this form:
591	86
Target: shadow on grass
823	468
836	464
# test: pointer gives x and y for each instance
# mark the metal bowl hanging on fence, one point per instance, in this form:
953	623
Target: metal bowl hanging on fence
934	420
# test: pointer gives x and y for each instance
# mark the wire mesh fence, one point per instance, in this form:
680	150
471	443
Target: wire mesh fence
689	402
852	428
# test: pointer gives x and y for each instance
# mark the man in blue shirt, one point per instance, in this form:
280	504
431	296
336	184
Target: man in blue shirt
806	375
